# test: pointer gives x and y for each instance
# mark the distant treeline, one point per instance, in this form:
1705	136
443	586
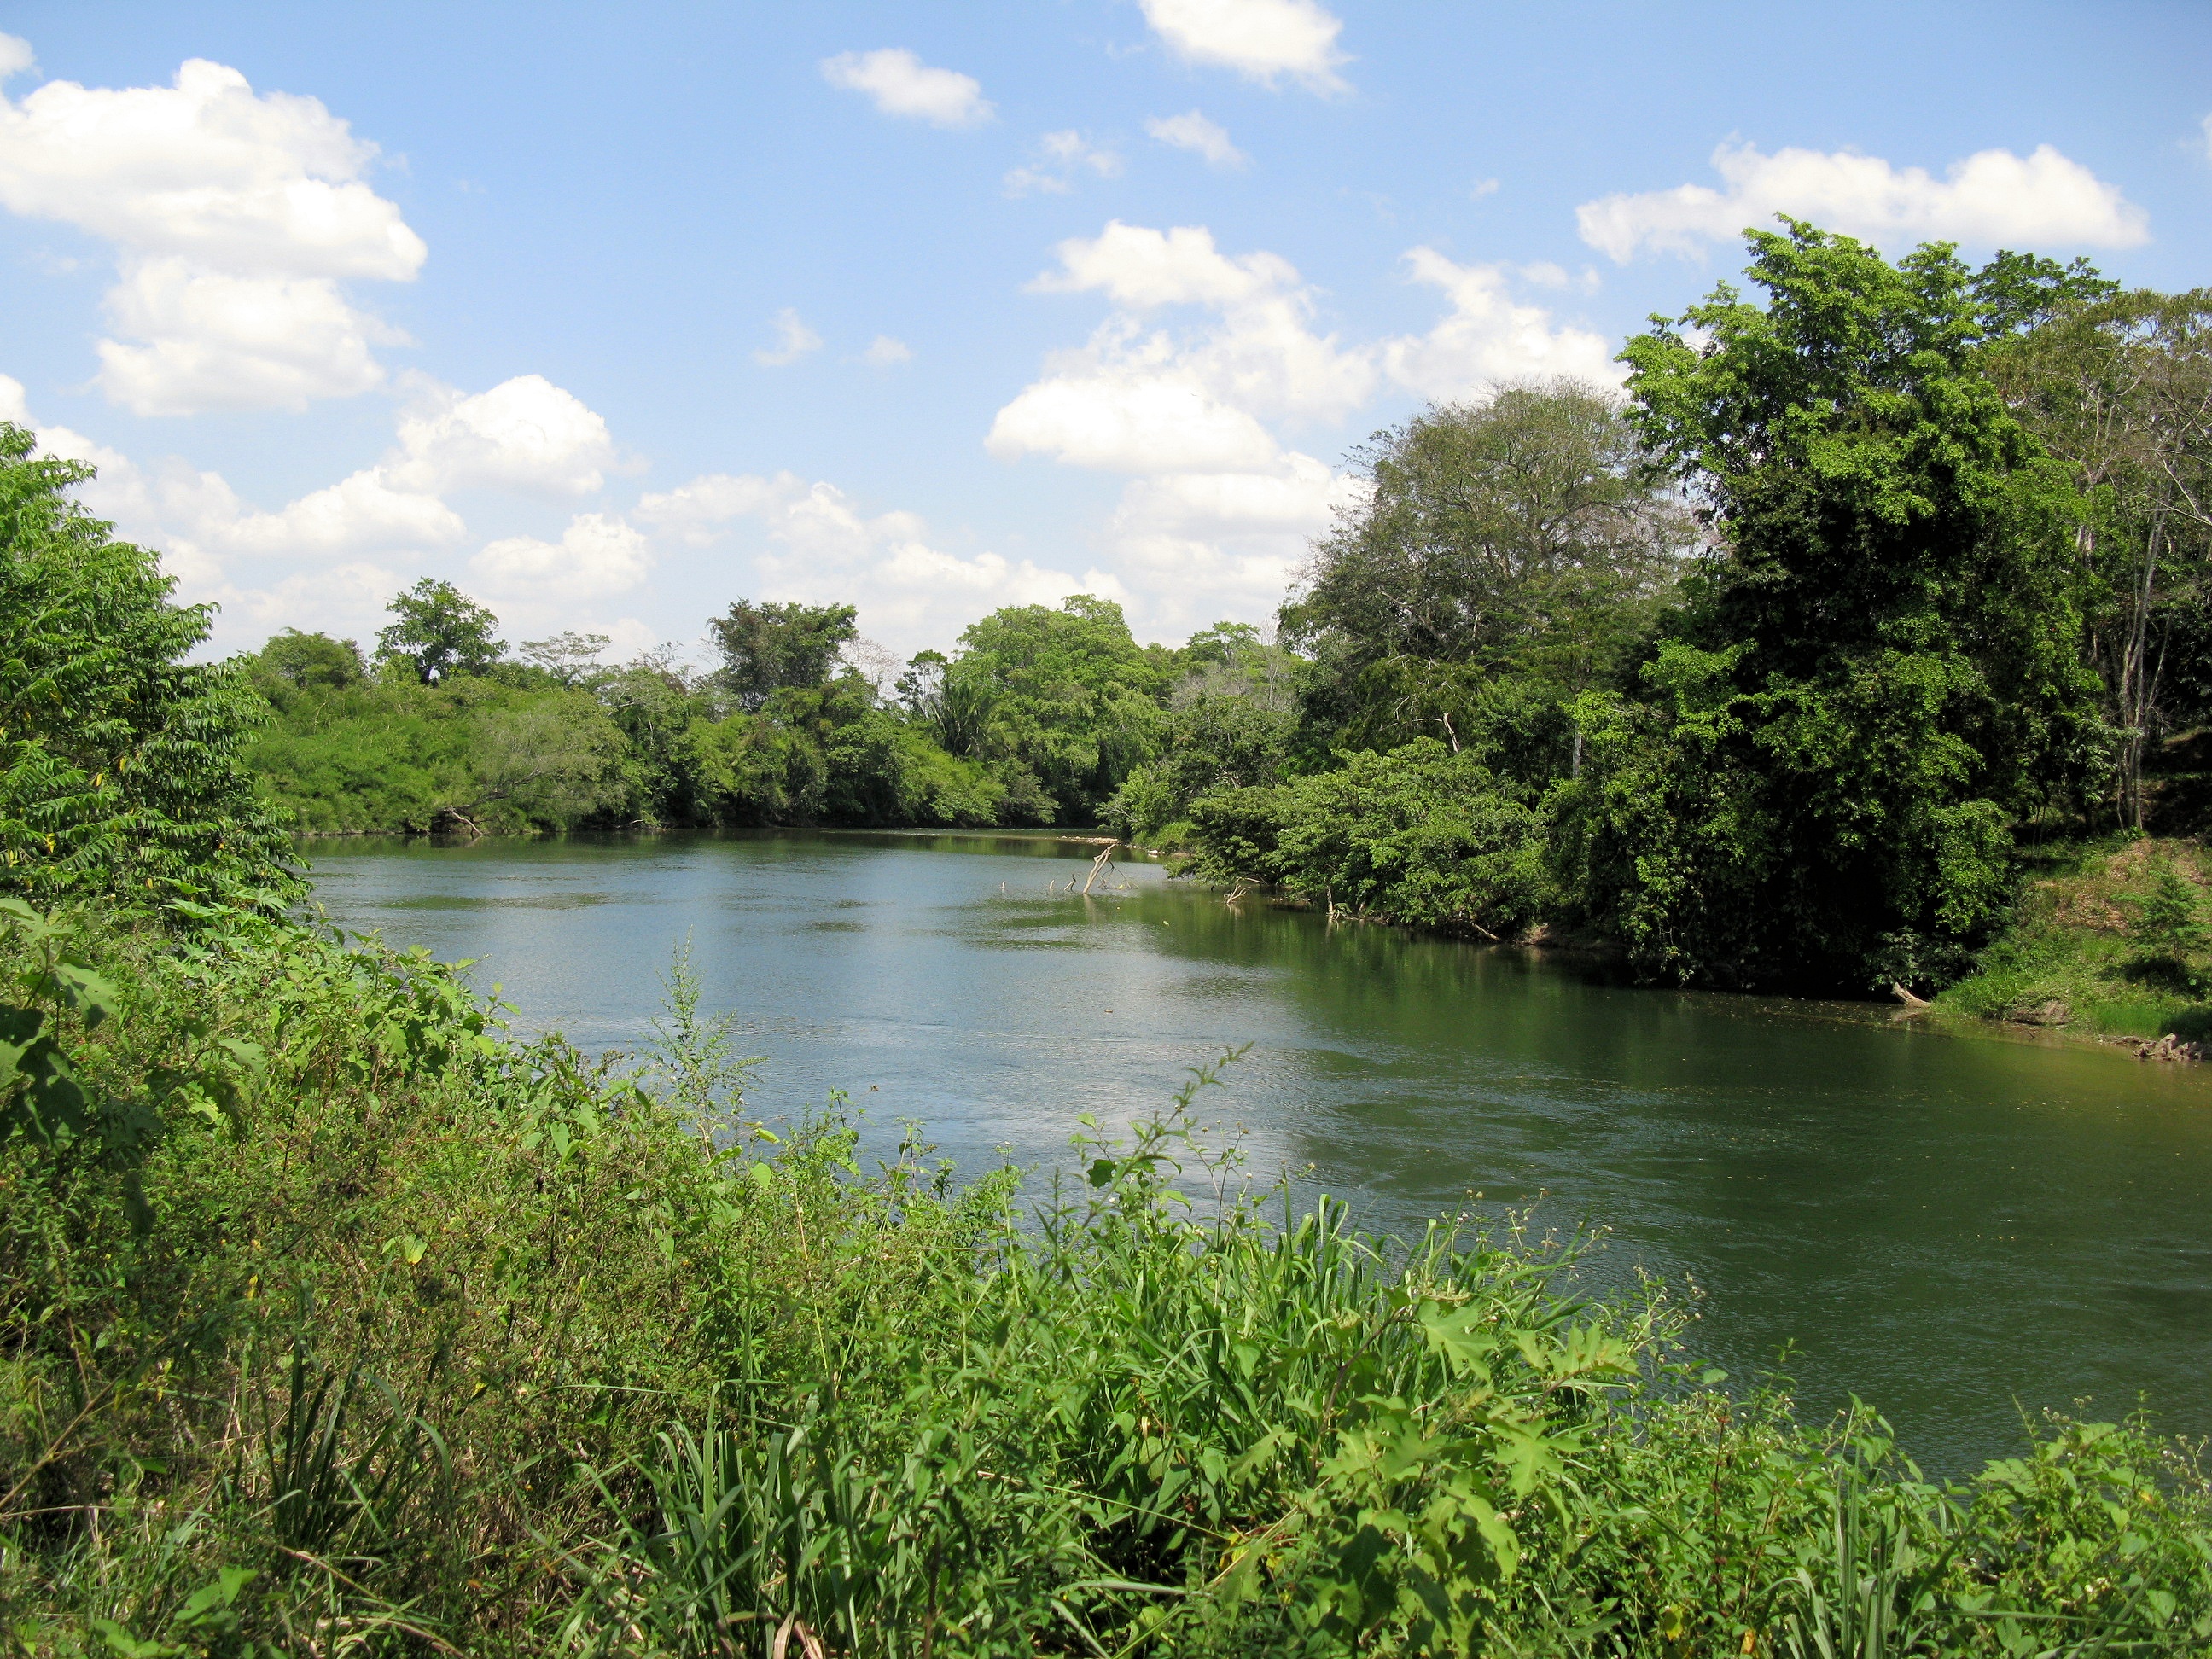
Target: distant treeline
1040	718
1761	672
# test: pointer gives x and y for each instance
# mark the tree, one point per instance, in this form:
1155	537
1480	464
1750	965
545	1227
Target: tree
119	768
2118	386
1070	697
1879	668
555	758
770	646
2169	919
303	659
1420	834
956	711
569	657
440	632
1525	534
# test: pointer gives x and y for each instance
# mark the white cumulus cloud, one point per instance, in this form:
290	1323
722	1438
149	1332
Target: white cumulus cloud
1136	266
794	340
525	434
1489	337
2042	199
1262	39
1194	132
884	352
1141	416
360	513
900	83
15	56
235	214
596	555
1208	362
211	340
1148	396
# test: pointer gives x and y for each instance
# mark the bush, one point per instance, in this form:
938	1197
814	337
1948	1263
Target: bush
1419	835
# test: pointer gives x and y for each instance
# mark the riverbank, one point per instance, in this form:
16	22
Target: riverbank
344	1312
2085	954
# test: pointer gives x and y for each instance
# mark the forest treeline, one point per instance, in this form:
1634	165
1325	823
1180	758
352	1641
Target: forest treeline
1762	672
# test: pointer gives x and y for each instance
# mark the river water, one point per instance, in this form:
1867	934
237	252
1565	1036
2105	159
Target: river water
1956	1228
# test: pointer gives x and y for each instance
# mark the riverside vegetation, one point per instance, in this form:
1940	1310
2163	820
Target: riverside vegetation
335	1320
1779	672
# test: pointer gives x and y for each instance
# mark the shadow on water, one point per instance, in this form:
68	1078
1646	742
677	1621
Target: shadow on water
1944	1224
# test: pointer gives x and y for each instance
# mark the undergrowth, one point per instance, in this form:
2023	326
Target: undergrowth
333	1320
2087	949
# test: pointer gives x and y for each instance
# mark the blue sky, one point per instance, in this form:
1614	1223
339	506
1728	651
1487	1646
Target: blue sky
613	315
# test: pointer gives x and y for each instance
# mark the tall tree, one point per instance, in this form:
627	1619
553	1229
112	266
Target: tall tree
1069	695
1523	534
1880	668
119	767
770	646
439	631
2118	386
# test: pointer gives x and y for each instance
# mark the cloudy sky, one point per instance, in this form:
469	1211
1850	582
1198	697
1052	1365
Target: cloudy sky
611	315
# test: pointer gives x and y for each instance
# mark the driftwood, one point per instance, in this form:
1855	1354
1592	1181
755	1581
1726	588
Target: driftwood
1098	864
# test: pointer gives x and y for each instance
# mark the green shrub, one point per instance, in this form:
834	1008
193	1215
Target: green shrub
1420	835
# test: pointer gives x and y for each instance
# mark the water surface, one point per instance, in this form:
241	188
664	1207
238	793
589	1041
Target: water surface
1956	1228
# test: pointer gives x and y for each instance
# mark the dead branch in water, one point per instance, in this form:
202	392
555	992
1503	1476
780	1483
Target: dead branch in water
1098	864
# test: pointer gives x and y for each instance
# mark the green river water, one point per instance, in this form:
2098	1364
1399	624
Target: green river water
1959	1228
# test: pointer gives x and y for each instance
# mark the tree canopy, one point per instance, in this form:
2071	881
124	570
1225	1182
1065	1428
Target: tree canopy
1525	534
1877	670
770	646
438	631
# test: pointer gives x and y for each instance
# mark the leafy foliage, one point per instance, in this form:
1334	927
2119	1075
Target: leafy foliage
119	760
2118	387
438	631
1419	835
1065	697
1527	535
1887	666
769	647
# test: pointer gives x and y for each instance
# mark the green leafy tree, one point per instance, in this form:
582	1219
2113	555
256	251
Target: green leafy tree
955	710
1230	724
770	646
2118	388
439	632
119	760
1420	835
300	659
569	657
1880	665
1073	699
1525	535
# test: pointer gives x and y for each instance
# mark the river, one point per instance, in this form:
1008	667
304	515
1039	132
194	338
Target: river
1956	1227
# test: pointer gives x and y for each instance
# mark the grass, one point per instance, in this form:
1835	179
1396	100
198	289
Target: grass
2074	956
340	1323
